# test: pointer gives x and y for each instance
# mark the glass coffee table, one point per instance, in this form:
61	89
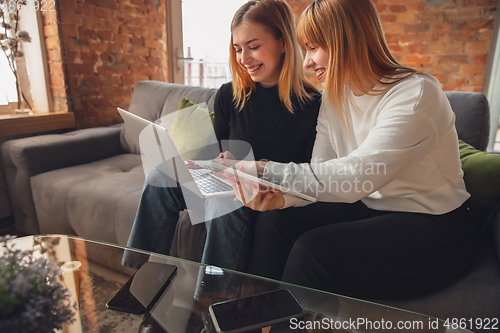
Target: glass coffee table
93	273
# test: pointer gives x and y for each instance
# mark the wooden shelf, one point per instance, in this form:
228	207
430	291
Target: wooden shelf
34	123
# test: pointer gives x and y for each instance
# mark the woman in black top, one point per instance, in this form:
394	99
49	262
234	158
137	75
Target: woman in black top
269	109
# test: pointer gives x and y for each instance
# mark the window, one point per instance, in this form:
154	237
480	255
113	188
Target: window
204	36
31	70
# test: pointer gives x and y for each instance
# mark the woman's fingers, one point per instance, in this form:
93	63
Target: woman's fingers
255	196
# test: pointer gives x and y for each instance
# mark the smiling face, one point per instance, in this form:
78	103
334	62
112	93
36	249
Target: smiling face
316	59
258	52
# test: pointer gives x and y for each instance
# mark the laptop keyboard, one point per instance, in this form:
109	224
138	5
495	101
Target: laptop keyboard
208	183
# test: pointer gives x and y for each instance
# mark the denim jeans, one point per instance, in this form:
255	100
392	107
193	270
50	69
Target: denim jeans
228	238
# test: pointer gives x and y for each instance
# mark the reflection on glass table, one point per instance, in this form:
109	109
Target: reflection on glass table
93	273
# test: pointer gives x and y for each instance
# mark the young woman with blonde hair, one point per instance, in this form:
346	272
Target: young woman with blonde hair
393	220
269	105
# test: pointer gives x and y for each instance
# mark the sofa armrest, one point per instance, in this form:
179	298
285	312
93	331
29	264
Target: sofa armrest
43	153
27	157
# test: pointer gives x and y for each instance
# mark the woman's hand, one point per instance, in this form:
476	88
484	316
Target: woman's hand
255	196
254	168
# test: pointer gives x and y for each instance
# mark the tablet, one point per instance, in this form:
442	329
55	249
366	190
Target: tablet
221	168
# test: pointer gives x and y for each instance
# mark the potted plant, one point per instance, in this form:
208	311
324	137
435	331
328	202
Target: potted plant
32	297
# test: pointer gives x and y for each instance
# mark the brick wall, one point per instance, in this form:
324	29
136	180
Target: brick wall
448	39
98	50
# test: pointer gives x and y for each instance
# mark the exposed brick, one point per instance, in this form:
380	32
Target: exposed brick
464	36
152	44
71	18
84	10
443	27
52	42
101	13
54	55
480	58
88	34
50	30
457	81
406	17
106	58
142	51
397	8
113	69
486	36
139	3
56	68
154	62
476	25
394	29
457	59
57	81
416	6
142	70
388	18
105	36
66	4
88	57
417	28
391	38
413	59
72	56
80	68
477	47
123	39
396	48
137	41
443	40
416	48
472	69
141	61
438	48
413	38
98	46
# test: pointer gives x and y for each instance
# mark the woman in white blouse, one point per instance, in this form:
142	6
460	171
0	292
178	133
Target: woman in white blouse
392	218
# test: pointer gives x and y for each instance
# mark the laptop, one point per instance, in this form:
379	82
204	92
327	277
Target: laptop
158	151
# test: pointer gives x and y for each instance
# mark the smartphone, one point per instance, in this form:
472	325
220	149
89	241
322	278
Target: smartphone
143	289
256	311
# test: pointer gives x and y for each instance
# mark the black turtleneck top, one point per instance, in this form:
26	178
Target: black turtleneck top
273	132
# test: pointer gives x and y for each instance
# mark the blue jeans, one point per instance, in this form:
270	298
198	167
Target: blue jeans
228	238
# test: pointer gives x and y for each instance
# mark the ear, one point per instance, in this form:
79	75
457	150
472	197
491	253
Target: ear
283	45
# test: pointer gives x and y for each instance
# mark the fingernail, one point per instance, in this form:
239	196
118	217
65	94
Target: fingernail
234	178
223	175
272	192
255	186
241	168
189	160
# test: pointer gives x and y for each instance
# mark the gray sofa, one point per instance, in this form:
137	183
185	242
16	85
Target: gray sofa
88	183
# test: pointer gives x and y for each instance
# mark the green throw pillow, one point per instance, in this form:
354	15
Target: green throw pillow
481	176
193	131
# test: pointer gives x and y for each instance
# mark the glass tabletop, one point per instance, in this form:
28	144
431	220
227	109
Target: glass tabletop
93	273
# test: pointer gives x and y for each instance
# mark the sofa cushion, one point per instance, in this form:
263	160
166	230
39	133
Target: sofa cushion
91	200
482	177
472	117
153	99
193	132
